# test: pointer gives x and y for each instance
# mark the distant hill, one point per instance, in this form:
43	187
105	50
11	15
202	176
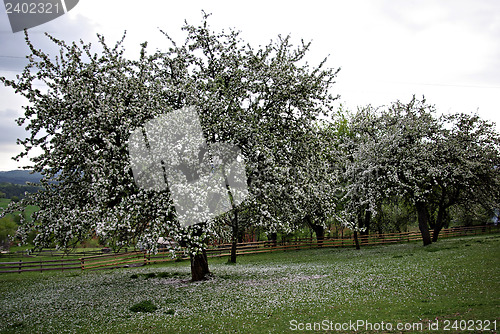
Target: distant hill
19	177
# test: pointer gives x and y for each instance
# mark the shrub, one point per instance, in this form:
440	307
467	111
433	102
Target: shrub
144	306
134	276
8	229
169	275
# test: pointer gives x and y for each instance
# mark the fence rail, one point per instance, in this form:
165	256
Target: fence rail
142	258
43	265
61	253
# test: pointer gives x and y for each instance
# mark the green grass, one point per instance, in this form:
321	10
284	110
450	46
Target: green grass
4	202
454	279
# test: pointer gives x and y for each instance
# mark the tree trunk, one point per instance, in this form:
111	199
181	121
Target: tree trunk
318	229
423	222
366	223
199	262
356	240
274	238
199	267
234	238
241	236
439	223
320	234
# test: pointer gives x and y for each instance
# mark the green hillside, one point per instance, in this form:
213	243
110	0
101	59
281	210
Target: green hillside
19	177
9	223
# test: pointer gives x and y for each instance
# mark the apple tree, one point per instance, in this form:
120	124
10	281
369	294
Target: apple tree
260	100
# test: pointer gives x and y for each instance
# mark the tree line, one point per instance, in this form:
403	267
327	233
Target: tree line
15	191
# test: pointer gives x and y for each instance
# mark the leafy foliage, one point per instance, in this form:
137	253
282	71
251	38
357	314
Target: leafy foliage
8	229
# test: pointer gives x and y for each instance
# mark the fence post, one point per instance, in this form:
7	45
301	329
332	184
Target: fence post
82	262
20	266
41	266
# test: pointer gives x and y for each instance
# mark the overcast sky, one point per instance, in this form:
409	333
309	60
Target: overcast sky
387	50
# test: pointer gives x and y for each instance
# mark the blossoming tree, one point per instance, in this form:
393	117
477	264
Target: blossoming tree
259	100
406	152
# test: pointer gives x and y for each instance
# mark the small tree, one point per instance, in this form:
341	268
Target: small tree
312	180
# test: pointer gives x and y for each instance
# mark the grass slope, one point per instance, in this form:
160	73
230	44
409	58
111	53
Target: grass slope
454	279
4	202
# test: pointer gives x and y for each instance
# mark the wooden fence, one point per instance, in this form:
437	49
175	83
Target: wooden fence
142	258
364	240
61	253
42	265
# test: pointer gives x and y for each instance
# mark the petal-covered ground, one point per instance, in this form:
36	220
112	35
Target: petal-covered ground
407	284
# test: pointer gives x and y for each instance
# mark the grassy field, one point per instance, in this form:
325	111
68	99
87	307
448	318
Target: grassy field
4	202
403	284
